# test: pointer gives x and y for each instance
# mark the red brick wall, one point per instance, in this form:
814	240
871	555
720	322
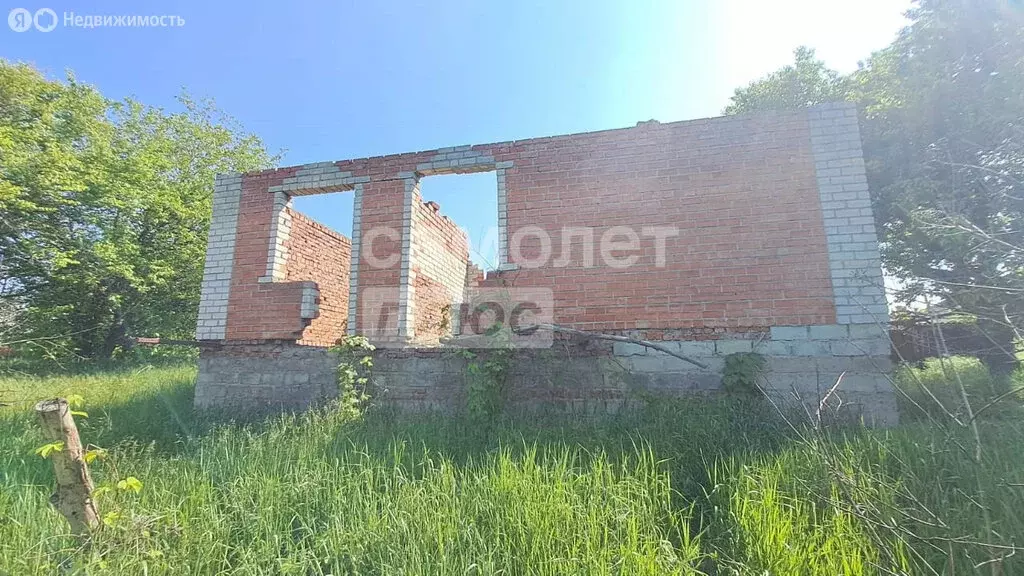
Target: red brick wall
382	209
260	311
441	259
271	310
433	311
315	252
751	249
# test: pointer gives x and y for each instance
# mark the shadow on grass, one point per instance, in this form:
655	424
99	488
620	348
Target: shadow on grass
162	418
685	434
681	432
772	482
155	422
123	407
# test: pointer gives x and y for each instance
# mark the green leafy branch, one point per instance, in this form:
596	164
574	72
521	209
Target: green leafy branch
355	362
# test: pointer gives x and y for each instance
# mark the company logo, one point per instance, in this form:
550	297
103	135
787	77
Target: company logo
45	20
483	317
20	20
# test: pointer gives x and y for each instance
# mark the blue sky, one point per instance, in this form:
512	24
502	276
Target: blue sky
332	80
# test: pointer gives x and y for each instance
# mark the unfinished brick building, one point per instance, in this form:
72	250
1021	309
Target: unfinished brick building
744	233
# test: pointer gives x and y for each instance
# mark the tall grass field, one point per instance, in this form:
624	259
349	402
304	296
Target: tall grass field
699	486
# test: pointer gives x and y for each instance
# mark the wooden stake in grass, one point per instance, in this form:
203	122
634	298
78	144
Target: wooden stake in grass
73	496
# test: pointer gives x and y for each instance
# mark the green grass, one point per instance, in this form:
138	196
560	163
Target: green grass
699	486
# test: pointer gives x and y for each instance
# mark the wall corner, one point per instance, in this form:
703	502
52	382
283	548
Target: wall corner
854	261
220	254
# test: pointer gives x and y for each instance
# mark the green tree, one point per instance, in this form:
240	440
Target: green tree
943	122
942	119
804	83
104	208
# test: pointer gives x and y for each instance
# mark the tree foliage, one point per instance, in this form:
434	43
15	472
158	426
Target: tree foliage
942	119
104	208
804	83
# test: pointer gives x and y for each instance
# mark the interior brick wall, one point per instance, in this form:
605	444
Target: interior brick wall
317	253
440	263
260	310
433	317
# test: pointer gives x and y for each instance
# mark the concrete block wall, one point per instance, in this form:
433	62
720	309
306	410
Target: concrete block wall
265	375
803	364
596	379
575	376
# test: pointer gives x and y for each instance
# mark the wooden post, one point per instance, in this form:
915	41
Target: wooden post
73	496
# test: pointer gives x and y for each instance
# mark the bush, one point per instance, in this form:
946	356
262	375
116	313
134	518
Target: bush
742	371
932	388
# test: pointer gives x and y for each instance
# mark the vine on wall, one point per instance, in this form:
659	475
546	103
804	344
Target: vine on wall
355	363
